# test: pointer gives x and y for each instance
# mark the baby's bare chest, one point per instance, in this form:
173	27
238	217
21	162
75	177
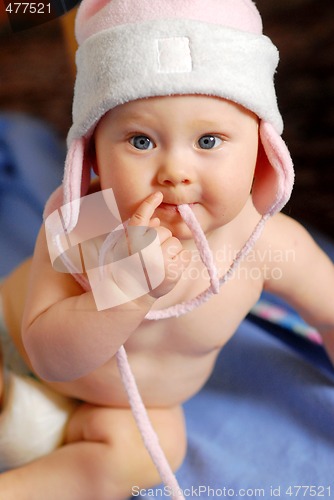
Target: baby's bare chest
207	327
172	358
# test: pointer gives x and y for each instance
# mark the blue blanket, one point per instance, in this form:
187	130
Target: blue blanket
31	167
263	424
264	421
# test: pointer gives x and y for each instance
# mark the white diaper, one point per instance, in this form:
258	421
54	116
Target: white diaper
33	417
32	421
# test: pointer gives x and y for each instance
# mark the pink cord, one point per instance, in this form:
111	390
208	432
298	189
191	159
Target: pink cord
139	411
202	244
185	307
145	427
148	434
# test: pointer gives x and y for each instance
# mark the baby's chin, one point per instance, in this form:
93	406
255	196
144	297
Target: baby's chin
181	231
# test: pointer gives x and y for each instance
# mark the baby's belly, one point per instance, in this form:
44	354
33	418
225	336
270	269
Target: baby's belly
162	381
170	359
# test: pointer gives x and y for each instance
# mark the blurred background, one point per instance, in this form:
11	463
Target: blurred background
37	75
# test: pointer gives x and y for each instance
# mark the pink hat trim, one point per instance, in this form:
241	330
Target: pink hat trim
280	160
97	15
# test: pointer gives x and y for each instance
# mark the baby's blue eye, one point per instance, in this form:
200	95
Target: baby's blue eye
209	142
141	142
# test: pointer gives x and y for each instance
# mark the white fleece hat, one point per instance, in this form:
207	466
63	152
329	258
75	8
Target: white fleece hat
132	49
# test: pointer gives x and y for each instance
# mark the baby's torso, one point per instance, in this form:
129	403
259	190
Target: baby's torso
172	358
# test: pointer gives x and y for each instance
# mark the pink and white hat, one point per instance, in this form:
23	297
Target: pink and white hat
132	49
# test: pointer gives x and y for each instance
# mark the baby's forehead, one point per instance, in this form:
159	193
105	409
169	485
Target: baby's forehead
196	108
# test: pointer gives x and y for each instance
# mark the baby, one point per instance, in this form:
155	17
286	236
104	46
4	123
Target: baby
175	111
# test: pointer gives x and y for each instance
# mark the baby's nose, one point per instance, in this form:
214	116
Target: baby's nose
172	173
174	181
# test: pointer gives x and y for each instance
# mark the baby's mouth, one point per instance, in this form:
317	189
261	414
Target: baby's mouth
169	207
173	207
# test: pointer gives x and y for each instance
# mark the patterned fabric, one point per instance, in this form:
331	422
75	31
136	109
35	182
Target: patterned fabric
286	318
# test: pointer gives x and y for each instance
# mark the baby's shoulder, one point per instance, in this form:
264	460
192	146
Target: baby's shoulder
282	231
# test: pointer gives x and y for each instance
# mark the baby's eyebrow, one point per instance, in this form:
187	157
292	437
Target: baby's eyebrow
136	118
209	124
214	126
217	125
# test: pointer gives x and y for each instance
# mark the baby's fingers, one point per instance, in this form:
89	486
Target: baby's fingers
145	211
176	259
155	222
141	228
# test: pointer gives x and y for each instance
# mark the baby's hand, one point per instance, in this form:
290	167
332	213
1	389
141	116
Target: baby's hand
175	258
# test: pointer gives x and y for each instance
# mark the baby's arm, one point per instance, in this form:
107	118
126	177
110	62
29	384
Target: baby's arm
306	280
63	333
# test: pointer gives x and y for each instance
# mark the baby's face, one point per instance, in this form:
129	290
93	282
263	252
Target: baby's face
194	149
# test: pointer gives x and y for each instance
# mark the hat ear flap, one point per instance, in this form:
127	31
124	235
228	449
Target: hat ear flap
75	185
75	182
274	175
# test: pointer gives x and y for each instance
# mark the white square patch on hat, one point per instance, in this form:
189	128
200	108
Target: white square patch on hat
174	55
